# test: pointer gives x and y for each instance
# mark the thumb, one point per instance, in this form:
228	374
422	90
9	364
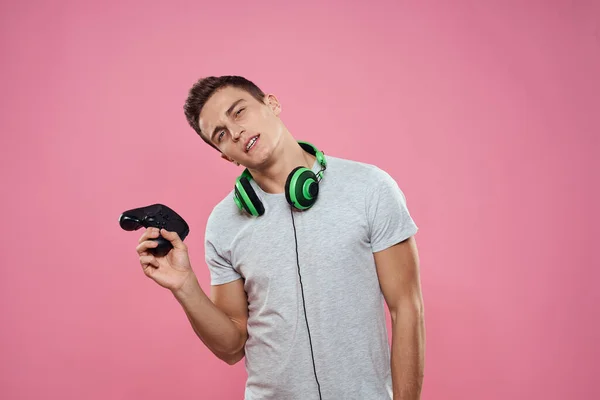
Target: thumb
173	237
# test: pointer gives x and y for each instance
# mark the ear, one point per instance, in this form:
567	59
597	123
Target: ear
273	104
224	157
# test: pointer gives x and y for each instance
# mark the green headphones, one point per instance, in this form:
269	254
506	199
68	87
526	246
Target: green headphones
301	186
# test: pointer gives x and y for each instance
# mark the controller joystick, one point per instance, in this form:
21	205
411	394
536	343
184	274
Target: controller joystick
156	216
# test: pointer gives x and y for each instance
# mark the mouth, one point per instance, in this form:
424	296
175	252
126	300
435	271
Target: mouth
251	142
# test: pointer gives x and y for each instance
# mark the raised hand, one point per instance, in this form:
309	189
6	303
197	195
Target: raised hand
171	271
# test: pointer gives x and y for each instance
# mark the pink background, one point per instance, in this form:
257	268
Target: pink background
487	114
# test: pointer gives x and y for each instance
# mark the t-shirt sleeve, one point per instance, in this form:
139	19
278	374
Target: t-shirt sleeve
219	265
390	221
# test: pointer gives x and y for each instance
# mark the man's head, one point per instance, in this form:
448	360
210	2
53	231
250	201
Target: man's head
228	111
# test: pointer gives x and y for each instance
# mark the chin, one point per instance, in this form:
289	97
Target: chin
260	159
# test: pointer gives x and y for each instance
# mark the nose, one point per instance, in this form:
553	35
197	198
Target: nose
236	133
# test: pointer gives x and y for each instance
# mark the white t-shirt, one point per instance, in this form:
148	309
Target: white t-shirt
359	210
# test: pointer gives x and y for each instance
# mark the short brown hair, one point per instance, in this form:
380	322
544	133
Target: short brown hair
205	87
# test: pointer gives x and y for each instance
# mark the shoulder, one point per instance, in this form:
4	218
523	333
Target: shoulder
223	215
366	183
358	172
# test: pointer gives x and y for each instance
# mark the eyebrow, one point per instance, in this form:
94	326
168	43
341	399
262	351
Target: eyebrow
228	113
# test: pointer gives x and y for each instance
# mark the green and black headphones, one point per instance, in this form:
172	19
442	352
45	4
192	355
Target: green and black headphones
301	186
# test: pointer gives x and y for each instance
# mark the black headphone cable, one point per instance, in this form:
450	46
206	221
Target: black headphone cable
304	305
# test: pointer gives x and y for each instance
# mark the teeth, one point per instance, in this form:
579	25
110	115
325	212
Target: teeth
251	143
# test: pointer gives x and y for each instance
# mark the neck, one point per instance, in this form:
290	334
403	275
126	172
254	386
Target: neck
288	156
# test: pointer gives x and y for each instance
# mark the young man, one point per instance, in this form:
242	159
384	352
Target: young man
301	262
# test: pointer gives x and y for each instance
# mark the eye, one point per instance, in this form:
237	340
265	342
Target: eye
220	136
237	114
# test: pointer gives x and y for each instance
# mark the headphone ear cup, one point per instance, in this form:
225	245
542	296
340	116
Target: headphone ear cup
246	198
301	188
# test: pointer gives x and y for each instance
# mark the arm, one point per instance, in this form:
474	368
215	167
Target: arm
398	271
219	321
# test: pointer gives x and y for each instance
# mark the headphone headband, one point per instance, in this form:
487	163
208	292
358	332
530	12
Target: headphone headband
312	149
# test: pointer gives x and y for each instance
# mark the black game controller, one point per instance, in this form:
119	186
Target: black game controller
157	216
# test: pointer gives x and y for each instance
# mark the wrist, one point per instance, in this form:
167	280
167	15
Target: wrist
189	289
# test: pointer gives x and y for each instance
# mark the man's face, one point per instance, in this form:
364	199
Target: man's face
242	128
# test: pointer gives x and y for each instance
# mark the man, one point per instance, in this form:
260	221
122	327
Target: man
299	292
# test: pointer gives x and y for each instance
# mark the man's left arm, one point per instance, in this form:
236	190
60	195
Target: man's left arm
398	271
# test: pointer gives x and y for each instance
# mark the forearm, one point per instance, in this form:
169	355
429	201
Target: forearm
216	330
408	352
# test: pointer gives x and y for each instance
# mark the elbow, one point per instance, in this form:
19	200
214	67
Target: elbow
233	358
232	353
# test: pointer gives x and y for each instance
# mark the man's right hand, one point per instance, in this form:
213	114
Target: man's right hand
172	271
220	321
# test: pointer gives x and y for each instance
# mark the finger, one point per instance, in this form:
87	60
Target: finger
148	261
149	233
174	238
142	248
